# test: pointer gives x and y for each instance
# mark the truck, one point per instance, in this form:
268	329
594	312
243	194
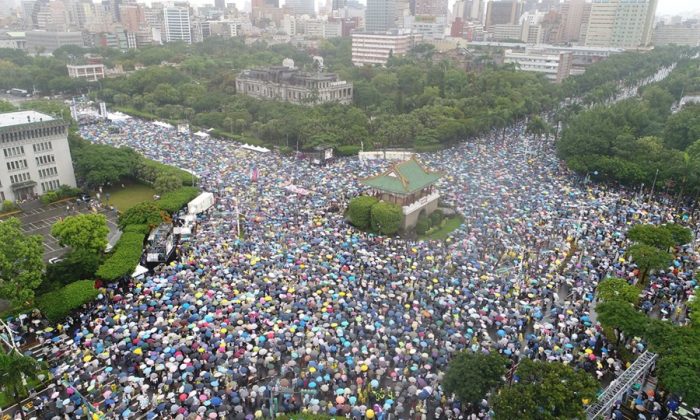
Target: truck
200	203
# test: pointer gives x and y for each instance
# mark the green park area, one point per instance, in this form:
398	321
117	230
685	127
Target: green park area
443	229
132	194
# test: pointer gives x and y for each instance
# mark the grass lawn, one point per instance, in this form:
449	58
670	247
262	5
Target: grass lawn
447	226
125	198
6	399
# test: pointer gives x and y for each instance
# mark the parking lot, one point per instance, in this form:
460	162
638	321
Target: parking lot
38	221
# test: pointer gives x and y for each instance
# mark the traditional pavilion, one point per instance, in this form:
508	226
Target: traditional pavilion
410	185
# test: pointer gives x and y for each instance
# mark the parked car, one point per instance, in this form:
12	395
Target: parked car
84	198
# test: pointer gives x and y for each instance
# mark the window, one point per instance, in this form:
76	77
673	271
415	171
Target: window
48	172
13	151
17	165
45	159
42	147
15	179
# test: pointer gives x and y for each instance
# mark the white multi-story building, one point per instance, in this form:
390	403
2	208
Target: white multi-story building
555	67
686	33
177	24
35	156
376	47
89	72
621	23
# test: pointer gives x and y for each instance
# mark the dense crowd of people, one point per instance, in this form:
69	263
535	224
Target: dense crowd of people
306	313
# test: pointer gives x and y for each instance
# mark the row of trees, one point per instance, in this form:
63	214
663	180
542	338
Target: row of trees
535	389
367	213
639	140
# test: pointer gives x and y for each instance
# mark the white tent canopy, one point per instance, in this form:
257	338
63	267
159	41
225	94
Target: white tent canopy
139	271
255	148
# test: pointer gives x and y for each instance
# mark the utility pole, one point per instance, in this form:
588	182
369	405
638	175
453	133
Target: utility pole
653	185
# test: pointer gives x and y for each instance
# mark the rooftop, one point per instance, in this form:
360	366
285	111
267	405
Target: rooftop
22	117
403	178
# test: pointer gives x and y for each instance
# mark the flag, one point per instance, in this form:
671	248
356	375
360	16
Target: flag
254	174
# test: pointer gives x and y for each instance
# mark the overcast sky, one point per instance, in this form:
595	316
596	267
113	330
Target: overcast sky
671	7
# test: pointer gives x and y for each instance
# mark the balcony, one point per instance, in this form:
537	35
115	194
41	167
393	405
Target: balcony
420	203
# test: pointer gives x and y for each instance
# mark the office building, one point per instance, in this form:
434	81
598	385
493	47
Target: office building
621	23
555	67
89	72
48	41
431	8
176	20
376	48
686	33
574	14
132	17
380	15
301	7
35	157
292	85
13	40
506	12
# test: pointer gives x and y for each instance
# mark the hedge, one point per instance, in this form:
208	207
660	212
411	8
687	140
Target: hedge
64	191
126	256
175	200
359	211
386	217
142	229
347	150
59	304
149	170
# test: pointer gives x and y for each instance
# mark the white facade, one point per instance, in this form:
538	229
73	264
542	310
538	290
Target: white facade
621	23
35	157
376	48
555	67
177	24
89	72
292	85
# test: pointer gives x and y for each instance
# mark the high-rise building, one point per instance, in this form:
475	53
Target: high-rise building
474	10
573	14
220	4
380	15
35	156
506	12
176	20
302	7
132	17
621	23
431	7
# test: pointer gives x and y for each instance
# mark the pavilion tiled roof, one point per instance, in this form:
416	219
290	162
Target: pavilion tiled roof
403	178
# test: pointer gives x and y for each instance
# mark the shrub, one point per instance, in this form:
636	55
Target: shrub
147	213
347	150
173	201
359	211
167	182
142	229
57	305
422	225
49	197
149	170
386	217
126	256
8	205
436	217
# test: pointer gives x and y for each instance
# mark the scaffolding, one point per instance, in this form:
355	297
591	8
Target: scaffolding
614	392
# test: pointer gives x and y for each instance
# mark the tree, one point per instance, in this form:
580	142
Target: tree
15	369
681	235
85	232
617	289
651	235
101	164
470	376
359	211
649	258
546	391
146	213
21	262
166	183
77	265
386	217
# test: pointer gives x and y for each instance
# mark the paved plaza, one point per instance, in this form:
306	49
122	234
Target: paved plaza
38	221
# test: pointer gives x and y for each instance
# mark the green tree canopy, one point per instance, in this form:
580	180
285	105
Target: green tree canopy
85	232
471	376
146	213
651	235
649	258
359	211
101	164
386	217
681	235
546	391
617	289
15	369
21	262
